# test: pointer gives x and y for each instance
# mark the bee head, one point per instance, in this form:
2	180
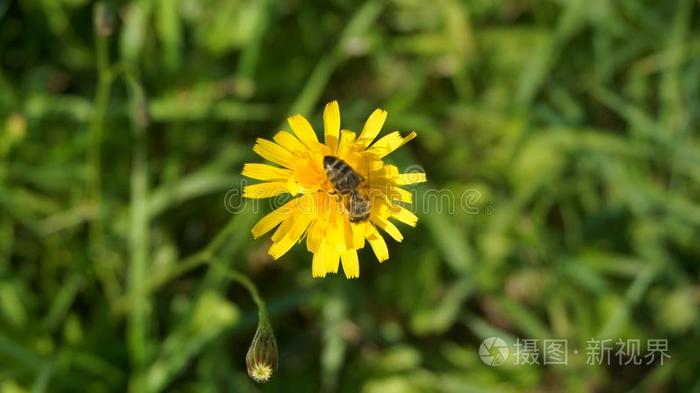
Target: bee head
328	161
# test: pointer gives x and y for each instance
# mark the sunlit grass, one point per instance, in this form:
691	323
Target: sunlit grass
570	127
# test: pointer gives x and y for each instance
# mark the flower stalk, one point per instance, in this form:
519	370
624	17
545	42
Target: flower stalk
262	356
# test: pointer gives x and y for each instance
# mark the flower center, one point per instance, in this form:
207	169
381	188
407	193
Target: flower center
261	372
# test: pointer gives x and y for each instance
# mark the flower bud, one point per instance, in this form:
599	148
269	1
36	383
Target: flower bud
261	359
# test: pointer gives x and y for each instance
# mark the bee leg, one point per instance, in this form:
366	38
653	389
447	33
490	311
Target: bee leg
336	194
327	185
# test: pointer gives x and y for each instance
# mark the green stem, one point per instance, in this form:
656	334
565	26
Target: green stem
96	232
138	242
104	82
190	263
245	282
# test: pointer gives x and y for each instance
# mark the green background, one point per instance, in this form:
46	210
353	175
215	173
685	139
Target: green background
569	128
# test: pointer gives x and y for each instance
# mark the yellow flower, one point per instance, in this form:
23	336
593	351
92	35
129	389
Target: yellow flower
319	213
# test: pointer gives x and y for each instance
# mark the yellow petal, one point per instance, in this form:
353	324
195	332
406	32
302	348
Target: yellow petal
405	179
332	261
289	232
286	226
315	233
335	232
389	143
272	219
265	190
265	172
287	140
404	215
347	234
331	125
347	138
390	171
274	153
293	187
325	261
397	193
351	265
377	242
281	246
354	234
300	211
318	268
303	131
372	127
309	172
389	228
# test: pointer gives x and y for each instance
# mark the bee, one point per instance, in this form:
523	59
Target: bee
346	182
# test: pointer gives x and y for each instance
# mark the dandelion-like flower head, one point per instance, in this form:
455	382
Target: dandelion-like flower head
317	212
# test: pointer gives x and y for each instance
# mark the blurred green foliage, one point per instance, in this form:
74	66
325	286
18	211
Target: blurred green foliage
570	125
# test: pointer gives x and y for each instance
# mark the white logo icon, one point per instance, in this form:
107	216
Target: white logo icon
493	351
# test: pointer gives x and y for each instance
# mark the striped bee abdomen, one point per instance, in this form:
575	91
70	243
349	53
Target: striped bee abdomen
346	182
341	175
358	207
